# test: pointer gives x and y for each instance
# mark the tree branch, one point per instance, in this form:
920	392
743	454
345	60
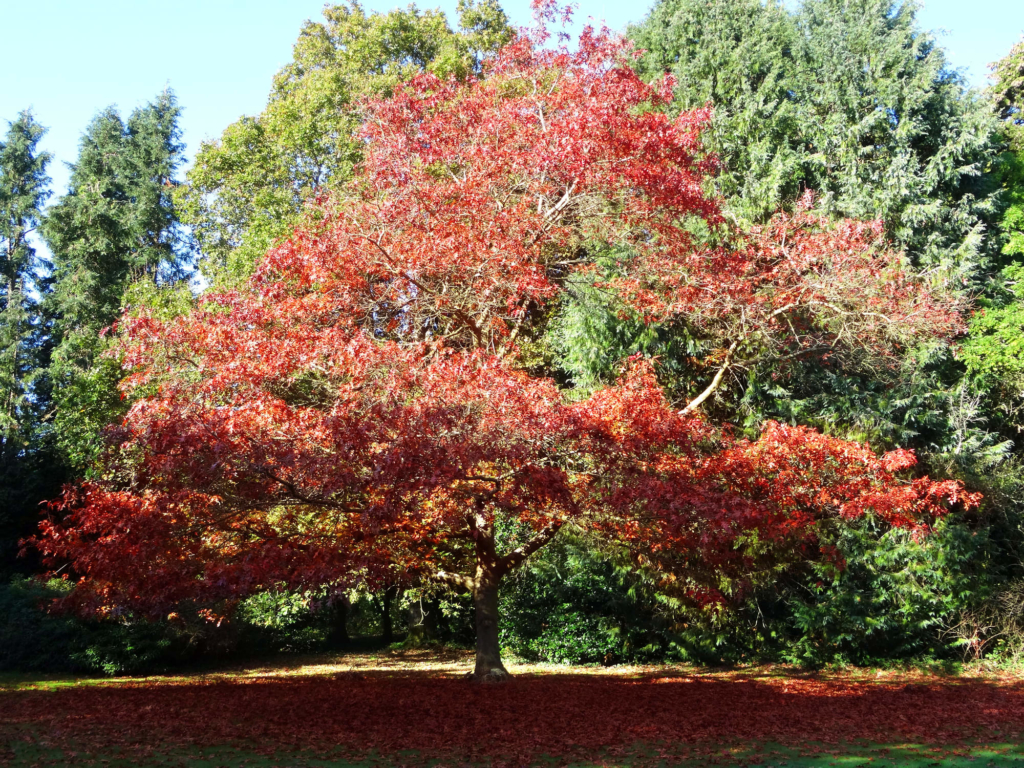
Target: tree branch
517	557
715	383
455	580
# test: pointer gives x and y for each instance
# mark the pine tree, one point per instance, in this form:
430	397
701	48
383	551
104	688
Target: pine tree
23	191
117	224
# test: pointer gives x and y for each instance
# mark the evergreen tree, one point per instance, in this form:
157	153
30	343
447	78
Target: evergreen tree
892	132
23	191
741	56
1008	91
117	224
849	98
994	351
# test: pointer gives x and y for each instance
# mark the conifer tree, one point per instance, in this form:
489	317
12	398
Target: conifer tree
849	98
994	352
892	131
741	58
116	224
23	191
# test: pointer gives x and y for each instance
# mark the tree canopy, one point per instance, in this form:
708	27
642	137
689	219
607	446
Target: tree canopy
116	224
247	189
365	405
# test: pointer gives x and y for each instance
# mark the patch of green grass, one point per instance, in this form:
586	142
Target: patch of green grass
17	681
868	754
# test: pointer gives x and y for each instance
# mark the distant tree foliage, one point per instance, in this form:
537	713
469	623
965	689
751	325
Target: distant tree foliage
23	191
116	224
849	98
248	188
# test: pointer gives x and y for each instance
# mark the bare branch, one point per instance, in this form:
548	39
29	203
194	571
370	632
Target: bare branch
517	557
715	383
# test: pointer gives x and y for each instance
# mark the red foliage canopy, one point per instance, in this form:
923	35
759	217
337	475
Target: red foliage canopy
360	411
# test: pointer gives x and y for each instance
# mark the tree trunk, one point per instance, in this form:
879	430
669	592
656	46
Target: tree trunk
483	585
422	622
488	654
385	614
339	621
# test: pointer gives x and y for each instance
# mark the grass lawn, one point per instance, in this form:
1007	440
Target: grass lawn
417	708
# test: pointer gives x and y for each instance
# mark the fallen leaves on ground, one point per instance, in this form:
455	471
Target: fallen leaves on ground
385	705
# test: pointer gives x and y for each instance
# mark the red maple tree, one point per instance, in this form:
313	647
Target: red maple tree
361	410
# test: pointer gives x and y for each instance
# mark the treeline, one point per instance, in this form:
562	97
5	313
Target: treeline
115	230
848	99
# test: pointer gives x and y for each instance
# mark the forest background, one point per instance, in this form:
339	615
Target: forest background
853	100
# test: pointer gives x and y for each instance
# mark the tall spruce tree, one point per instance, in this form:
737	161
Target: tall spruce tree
117	224
23	191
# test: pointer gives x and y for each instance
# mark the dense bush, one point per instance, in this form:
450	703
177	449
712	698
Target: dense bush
576	605
33	640
898	596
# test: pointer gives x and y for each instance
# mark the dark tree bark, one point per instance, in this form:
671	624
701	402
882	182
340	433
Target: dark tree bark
339	621
386	600
488	653
484	586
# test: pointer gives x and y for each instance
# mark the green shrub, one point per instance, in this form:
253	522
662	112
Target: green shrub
280	622
895	599
574	605
33	640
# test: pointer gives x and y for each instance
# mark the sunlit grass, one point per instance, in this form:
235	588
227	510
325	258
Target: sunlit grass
457	663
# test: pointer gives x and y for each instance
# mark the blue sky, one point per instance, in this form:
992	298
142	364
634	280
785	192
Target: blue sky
67	59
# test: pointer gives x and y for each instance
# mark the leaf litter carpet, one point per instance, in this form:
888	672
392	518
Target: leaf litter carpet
420	703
